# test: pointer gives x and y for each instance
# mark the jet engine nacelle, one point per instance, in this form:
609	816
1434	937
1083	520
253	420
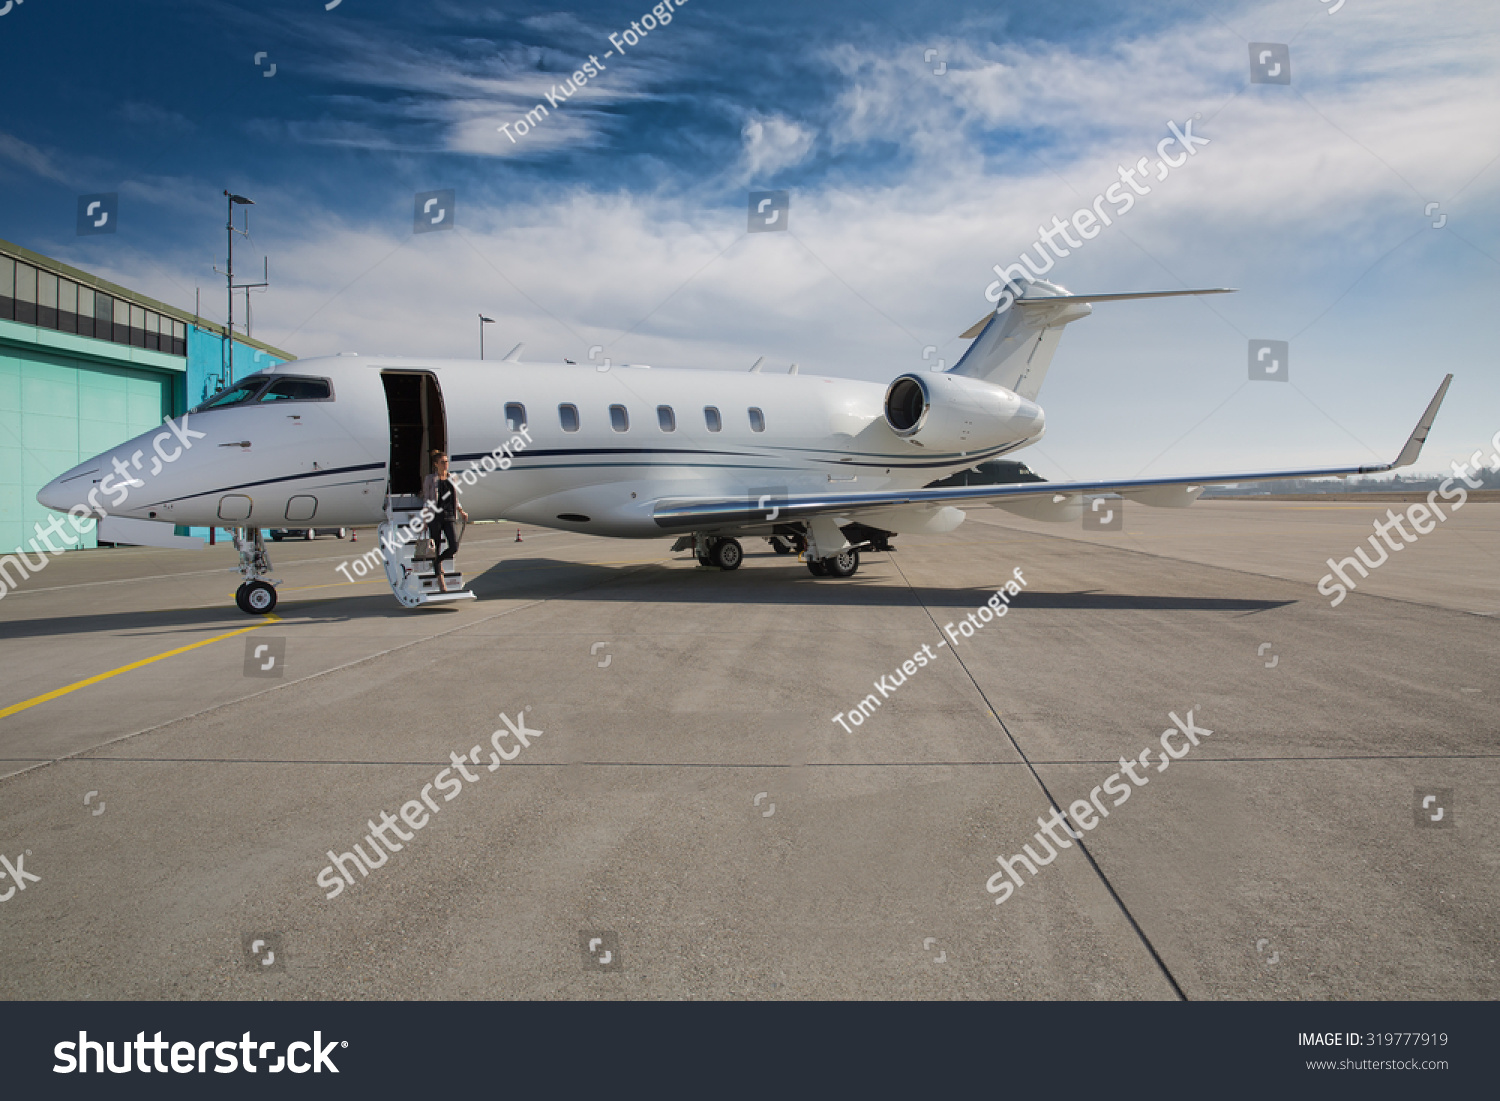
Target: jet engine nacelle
953	413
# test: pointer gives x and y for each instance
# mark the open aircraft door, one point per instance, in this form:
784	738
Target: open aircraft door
414	401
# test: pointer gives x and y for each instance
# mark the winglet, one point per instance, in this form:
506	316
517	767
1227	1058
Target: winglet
514	355
1418	437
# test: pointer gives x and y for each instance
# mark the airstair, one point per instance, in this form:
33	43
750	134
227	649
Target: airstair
408	557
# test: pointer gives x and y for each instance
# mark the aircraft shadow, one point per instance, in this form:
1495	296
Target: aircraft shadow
788	582
757	583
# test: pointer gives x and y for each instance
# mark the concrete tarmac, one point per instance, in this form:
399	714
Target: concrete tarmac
690	806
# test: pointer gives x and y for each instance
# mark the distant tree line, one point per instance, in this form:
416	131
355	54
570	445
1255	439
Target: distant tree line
1007	471
1399	483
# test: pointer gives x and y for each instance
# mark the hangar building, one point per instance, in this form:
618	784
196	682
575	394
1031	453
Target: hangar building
86	364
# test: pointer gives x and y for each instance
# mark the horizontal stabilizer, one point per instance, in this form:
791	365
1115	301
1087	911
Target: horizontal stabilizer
1013	346
978	327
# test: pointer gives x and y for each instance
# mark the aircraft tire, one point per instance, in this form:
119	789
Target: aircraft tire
727	554
817	567
255	598
843	565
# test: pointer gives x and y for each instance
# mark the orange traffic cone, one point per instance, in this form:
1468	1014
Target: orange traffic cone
518	535
354	535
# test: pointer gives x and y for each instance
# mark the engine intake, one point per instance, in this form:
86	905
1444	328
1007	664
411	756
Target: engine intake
906	405
947	412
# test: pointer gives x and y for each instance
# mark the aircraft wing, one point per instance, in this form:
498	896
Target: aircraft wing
677	514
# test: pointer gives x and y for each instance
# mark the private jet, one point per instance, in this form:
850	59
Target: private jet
822	467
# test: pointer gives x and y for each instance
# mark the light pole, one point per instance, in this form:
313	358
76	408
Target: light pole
483	321
232	201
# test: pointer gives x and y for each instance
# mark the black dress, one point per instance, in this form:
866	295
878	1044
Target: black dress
444	538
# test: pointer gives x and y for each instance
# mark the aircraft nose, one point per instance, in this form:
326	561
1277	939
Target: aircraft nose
62	493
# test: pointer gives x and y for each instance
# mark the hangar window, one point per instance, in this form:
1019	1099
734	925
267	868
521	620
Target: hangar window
515	415
712	419
85	311
568	414
25	293
666	418
299	389
46	299
67	306
757	420
619	420
36	296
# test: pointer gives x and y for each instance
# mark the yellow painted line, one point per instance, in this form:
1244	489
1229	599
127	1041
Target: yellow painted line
56	692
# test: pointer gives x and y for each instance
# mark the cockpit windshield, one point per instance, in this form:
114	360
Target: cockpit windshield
235	395
272	388
298	389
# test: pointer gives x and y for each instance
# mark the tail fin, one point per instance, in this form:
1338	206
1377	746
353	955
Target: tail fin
1013	346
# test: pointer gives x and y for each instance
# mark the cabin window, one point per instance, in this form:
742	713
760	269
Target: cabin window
666	418
712	419
568	414
757	420
619	420
515	416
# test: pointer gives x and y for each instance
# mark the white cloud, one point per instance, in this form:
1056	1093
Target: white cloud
772	143
32	159
1282	204
453	97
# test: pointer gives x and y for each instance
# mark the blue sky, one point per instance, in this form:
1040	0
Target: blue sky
921	144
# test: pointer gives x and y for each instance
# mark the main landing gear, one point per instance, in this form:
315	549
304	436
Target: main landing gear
725	553
257	592
844	564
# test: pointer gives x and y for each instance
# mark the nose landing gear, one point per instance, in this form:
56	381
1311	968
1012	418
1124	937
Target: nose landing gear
257	592
255	598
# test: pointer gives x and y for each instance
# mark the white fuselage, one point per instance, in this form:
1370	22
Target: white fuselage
271	460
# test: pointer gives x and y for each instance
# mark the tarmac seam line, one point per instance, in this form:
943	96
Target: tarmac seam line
1051	801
